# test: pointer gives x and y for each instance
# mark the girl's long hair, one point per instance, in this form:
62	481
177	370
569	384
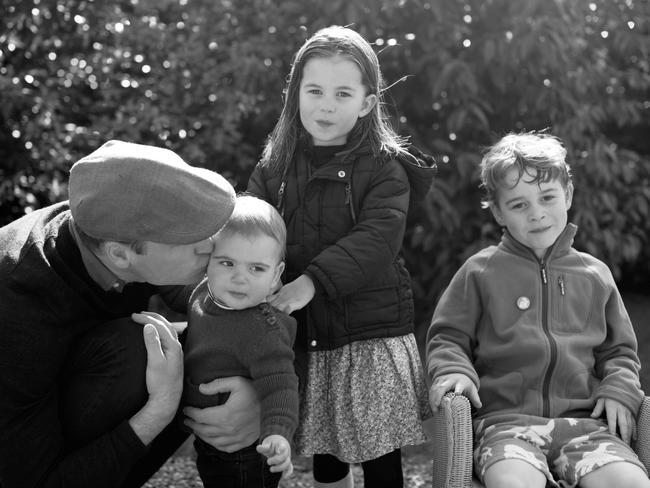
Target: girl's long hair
374	127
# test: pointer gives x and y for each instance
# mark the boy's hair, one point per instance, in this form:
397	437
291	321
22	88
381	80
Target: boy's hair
538	155
328	42
252	216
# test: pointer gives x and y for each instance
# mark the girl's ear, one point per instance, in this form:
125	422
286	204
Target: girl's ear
118	253
368	104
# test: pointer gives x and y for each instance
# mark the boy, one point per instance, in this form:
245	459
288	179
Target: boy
542	329
233	331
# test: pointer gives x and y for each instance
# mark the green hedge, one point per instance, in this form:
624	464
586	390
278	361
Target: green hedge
205	78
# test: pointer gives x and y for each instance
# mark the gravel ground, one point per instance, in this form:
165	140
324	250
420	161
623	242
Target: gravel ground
180	471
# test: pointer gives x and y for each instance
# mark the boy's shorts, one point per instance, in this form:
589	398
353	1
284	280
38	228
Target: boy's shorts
563	449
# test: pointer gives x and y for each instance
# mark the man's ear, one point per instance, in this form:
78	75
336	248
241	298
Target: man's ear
118	253
496	212
368	104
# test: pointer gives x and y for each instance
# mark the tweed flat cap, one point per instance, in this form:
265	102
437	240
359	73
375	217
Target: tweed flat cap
132	192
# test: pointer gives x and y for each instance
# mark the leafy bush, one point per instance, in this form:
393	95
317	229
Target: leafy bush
205	78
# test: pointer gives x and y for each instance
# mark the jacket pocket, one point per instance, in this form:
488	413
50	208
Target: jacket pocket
571	306
372	307
579	390
389	303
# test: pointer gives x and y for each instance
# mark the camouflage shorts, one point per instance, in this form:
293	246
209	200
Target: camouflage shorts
564	449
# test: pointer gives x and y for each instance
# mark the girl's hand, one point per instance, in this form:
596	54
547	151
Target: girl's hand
278	451
459	383
294	295
618	415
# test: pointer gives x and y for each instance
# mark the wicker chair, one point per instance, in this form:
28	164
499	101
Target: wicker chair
452	441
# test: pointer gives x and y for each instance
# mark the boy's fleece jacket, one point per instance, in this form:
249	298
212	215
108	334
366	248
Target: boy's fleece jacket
544	338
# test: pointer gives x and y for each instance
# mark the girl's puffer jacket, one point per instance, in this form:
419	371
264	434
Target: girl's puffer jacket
345	225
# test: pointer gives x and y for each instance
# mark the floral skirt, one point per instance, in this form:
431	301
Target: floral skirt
363	400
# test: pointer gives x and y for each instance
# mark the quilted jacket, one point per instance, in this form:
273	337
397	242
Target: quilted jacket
345	225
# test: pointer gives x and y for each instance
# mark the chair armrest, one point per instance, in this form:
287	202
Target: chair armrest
642	444
452	442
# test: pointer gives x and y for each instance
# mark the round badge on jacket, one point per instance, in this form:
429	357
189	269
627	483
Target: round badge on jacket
523	303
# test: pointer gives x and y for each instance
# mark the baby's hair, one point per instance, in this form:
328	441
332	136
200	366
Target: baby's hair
252	216
329	42
536	154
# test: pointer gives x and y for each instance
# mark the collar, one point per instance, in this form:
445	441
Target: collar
560	247
97	270
216	301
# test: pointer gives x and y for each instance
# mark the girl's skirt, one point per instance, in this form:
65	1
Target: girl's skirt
363	400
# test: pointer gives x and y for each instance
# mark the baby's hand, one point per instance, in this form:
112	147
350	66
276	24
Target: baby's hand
456	382
617	415
278	451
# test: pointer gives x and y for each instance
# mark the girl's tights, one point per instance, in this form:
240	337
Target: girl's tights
383	472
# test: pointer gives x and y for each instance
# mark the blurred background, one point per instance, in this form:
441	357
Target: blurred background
205	78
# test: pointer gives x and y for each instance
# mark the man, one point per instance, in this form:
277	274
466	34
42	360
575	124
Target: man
84	400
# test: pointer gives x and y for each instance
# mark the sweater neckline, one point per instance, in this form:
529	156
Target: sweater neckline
323	154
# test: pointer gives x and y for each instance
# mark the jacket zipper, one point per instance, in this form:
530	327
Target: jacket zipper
348	202
546	408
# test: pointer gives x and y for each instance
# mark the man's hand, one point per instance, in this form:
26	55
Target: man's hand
164	376
294	295
233	425
458	383
618	415
278	452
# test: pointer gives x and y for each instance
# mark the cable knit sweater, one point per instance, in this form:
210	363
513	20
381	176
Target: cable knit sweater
255	343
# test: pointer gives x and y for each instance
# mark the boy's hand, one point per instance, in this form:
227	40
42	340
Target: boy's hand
278	451
294	295
459	383
617	415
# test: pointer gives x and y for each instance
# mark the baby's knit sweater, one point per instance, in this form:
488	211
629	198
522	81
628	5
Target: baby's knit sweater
256	343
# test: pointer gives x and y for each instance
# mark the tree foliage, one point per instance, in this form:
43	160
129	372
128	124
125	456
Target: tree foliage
205	78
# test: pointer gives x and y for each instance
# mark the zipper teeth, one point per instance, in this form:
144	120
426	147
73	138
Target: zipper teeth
545	327
348	201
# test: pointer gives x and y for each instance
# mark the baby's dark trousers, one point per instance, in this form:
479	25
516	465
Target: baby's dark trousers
245	468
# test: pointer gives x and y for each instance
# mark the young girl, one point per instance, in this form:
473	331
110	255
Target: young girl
339	175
